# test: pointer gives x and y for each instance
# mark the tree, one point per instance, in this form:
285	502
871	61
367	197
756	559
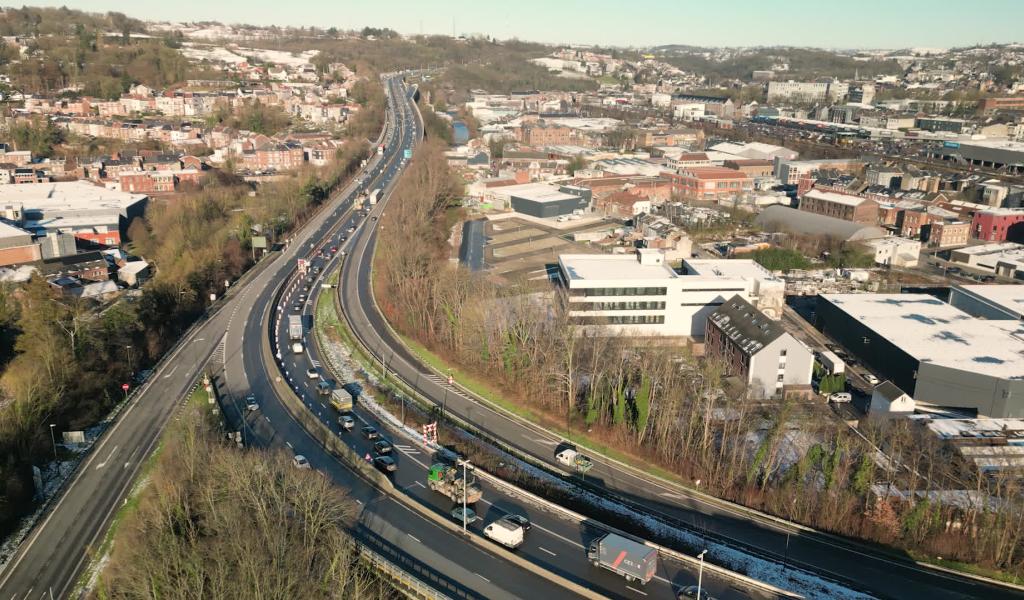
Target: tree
39	137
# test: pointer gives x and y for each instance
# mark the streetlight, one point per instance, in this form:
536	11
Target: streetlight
700	572
128	351
53	441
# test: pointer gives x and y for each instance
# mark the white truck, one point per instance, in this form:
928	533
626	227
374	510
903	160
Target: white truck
295	327
505	532
571	458
374	196
833	364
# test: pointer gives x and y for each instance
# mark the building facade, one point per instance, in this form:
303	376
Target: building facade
756	349
840	206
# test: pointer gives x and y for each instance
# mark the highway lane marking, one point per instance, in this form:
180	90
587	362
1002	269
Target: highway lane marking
104	463
415	538
289	444
171	372
484	578
543	549
546	442
267	418
419	484
636	590
671	495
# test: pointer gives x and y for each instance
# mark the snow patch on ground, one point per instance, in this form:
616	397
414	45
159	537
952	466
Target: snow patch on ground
771	572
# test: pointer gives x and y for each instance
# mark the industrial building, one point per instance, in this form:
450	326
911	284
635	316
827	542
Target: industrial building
757	349
999	302
937	353
992	154
96	216
545	201
642	295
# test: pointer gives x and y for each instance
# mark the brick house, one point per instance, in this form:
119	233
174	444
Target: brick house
709	183
840	206
999	225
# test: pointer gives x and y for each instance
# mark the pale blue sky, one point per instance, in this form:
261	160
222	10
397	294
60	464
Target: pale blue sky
822	23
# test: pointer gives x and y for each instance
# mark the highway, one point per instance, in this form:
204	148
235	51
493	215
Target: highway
49	561
866	568
553	543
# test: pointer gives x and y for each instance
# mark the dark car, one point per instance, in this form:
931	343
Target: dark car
519	520
370	433
385	463
690	591
383	446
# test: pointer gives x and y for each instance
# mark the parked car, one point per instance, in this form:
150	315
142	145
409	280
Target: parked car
471	516
840	397
251	404
383	446
300	462
347	422
871	379
385	463
370	433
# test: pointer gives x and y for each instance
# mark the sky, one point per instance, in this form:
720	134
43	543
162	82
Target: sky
819	23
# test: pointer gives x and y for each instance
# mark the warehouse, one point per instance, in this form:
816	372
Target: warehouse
994	154
545	201
935	352
999	302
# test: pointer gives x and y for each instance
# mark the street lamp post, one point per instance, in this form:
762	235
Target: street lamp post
700	572
128	351
53	441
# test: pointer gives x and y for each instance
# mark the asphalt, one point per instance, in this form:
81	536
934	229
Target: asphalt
879	572
471	252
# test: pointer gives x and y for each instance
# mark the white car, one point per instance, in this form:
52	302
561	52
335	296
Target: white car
300	462
871	379
840	397
312	373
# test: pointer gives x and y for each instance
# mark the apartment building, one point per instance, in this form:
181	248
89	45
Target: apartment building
811	92
710	183
756	349
998	225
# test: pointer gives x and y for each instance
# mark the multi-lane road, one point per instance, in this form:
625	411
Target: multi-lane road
870	569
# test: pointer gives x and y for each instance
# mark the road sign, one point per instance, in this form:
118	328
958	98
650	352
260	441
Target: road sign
125	386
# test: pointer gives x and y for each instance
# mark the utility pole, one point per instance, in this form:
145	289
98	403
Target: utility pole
465	485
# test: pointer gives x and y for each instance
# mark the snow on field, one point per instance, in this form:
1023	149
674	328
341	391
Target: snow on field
238	54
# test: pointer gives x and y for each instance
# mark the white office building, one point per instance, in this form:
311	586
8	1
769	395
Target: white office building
642	295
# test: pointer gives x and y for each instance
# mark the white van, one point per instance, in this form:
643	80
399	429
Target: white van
505	532
297	348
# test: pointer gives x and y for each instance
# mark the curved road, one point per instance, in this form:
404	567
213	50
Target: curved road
859	566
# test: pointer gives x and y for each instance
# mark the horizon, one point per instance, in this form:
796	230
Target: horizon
603	22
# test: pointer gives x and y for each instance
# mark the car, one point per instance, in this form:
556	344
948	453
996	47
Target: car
690	591
519	520
470	517
296	308
324	387
840	397
385	463
334	249
302	297
312	373
300	462
347	422
251	404
370	433
383	446
871	379
316	269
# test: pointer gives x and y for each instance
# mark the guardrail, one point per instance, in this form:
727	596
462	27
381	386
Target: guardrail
410	586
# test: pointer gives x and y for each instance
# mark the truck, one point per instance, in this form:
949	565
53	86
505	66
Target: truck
374	196
630	559
295	327
447	480
832	363
505	532
341	401
571	458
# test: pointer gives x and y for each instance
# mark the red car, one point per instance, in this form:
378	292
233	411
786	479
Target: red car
334	249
